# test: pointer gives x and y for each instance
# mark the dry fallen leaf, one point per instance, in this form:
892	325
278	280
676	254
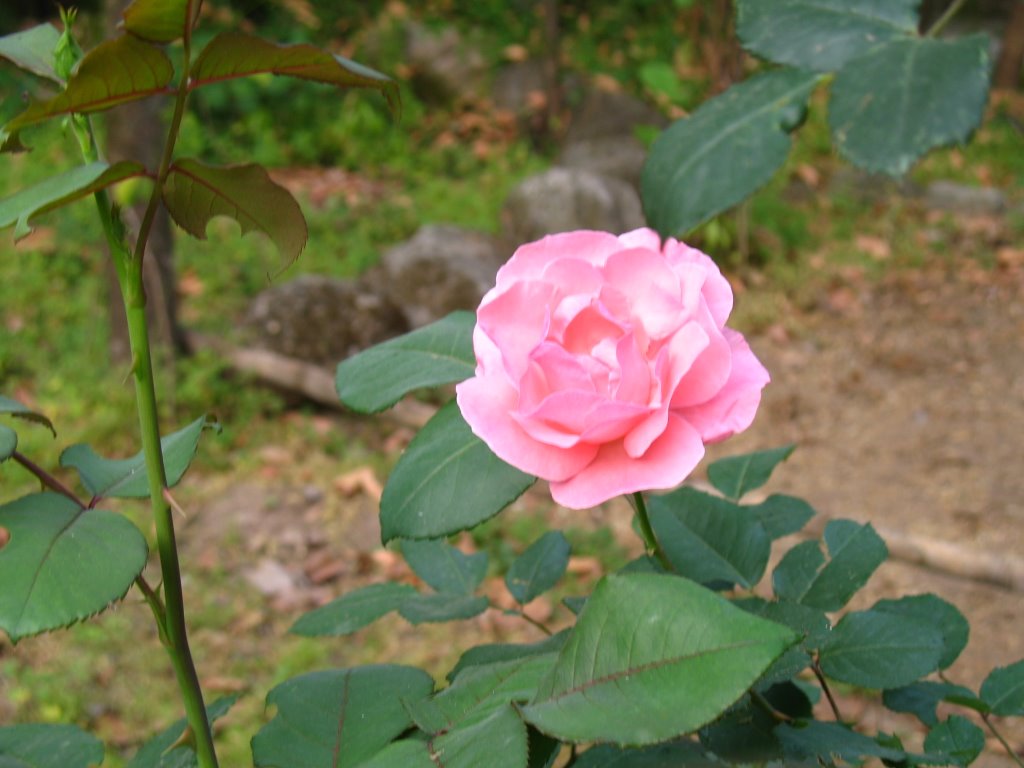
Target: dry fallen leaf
360	480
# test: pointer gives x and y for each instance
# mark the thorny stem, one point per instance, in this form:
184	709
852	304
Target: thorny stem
828	693
943	20
650	540
46	478
169	614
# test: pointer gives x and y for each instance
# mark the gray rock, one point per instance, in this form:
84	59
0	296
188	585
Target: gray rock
441	269
563	199
600	114
444	66
322	319
620	156
960	198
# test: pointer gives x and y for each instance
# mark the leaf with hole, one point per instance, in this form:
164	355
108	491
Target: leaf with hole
957	739
32	50
782	515
114	72
63	563
441	607
709	539
738	475
232	55
447	480
922	698
161	21
821	34
896	102
1003	690
804	576
195	193
439	353
353	611
167	750
443	567
14	408
652	657
539	568
40	745
933	610
21	208
128	478
873	649
338	717
727	149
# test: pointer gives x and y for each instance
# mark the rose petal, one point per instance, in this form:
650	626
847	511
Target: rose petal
613	472
652	287
566	418
696	380
516	320
487	404
733	408
716	289
530	260
642	238
634	372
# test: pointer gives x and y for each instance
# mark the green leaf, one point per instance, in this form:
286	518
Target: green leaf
32	50
659	756
8	443
446	481
444	606
743	735
500	741
479	691
127	478
803	576
444	567
492	653
353	611
114	72
440	353
1003	689
738	475
337	717
56	191
957	738
16	409
231	55
873	649
709	539
892	105
63	563
539	568
692	173
161	21
782	515
196	193
810	623
933	610
48	746
158	752
821	34
922	698
830	742
652	657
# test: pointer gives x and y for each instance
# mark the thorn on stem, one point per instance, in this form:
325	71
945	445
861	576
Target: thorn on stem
174	505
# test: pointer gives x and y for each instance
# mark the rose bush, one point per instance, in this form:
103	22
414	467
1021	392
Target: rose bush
604	364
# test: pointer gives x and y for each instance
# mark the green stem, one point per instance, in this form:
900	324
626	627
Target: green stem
1002	740
650	540
944	19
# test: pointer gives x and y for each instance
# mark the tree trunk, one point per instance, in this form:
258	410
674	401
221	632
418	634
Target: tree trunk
135	131
1011	57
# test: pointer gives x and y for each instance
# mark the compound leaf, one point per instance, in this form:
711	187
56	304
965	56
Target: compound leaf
1003	689
161	21
539	568
40	745
32	50
14	408
738	475
353	611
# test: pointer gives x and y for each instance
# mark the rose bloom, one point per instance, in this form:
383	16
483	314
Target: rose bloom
604	364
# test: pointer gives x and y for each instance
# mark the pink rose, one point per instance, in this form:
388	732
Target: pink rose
604	365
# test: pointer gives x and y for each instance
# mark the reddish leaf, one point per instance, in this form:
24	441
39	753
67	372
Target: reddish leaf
195	193
161	21
232	55
113	73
